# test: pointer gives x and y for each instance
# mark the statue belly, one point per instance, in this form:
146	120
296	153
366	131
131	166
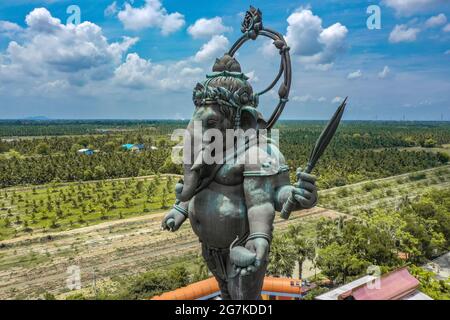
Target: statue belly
218	215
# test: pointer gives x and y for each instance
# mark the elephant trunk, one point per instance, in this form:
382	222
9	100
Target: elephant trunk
192	157
191	182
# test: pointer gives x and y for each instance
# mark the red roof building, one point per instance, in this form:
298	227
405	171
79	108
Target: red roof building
395	285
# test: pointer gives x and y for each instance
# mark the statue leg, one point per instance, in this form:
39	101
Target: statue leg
247	287
216	260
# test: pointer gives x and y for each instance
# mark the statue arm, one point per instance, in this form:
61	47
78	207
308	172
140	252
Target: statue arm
259	195
173	220
272	166
282	193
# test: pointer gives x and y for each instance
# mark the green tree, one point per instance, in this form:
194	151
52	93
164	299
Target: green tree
42	148
127	202
201	271
429	143
109	147
84	142
327	233
164	198
430	285
179	276
338	262
99	172
75	147
139	186
282	257
302	247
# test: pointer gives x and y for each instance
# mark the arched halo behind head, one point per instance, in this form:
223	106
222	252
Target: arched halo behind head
227	66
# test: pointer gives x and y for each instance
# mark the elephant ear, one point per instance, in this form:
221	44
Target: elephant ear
250	118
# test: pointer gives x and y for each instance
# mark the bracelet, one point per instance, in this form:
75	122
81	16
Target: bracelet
181	210
260	235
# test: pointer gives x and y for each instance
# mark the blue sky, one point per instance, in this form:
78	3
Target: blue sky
140	59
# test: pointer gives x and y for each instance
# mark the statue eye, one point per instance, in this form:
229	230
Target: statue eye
211	122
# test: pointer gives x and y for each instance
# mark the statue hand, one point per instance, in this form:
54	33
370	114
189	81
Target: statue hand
260	246
305	191
172	220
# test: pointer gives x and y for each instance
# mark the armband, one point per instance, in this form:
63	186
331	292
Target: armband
181	210
260	235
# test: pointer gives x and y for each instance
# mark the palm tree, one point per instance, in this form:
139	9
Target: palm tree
312	256
301	246
281	258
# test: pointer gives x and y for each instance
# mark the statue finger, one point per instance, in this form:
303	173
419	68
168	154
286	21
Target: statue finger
244	272
298	172
170	223
304	193
164	225
303	201
306	177
250	246
261	250
251	269
307	186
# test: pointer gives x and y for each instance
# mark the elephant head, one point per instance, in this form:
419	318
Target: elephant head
224	101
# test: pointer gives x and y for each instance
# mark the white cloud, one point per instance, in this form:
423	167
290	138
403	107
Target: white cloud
191	71
303	33
337	99
436	21
151	15
314	45
79	57
51	51
40	20
53	87
303	99
403	33
410	7
252	77
138	73
308	98
203	28
111	10
446	28
384	73
212	49
355	75
9	29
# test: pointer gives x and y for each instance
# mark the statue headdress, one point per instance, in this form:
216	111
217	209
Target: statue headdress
244	99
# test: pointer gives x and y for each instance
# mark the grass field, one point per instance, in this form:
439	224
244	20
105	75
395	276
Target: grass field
385	193
67	206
